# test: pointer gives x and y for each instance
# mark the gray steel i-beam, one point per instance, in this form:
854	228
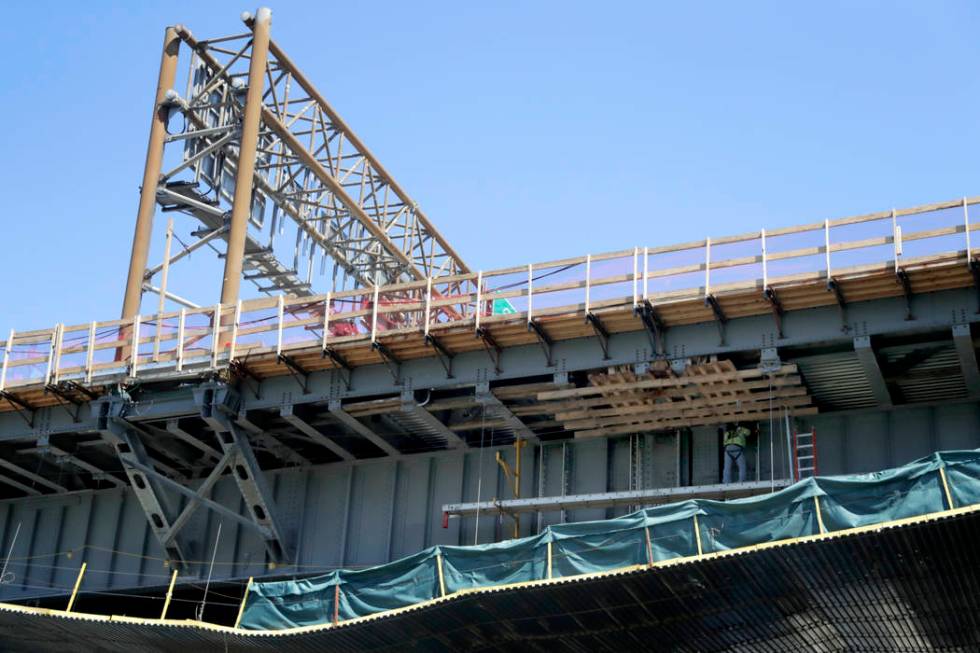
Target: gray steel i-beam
151	175
967	354
872	370
242	204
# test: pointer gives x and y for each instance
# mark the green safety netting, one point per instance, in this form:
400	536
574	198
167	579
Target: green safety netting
649	535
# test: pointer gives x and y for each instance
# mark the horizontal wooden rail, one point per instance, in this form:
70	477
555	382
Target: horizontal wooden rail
215	335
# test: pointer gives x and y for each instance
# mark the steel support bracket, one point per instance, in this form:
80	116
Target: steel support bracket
903	278
834	286
346	371
444	355
601	333
975	272
300	375
547	344
654	327
391	362
769	294
720	318
24	409
492	348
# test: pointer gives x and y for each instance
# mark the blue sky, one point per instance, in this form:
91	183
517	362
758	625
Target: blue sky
528	131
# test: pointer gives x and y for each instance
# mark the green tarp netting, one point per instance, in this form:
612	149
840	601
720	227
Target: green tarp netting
649	535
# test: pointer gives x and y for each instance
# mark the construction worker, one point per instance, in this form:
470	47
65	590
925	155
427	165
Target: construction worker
736	437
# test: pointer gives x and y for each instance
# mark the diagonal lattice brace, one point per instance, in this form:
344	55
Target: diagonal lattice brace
137	463
219	409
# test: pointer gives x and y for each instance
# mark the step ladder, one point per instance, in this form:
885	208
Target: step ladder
805	458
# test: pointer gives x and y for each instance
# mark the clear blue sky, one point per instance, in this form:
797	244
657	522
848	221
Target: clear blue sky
528	131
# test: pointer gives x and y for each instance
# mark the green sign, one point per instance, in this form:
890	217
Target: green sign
503	307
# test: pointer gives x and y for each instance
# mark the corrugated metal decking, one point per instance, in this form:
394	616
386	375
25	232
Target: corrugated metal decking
904	587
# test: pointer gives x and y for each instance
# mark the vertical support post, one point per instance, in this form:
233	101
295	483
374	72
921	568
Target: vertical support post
164	274
826	246
697	536
215	335
896	240
234	331
549	561
78	583
135	347
170	594
279	317
530	290
326	319
374	313
89	353
707	267
636	278
242	202
428	303
949	495
181	321
241	608
588	283
54	355
646	272
765	262
646	530
6	359
442	578
966	230
816	504
151	176
336	603
479	299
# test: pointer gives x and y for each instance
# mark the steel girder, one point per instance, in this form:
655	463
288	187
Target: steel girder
939	312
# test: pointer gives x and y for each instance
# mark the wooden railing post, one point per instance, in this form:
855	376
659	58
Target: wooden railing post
966	225
181	321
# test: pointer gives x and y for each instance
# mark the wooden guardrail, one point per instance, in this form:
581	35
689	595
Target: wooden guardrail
214	336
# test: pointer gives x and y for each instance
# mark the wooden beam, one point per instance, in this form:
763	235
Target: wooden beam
665	383
660	425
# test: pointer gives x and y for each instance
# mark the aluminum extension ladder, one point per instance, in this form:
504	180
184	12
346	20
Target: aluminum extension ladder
805	449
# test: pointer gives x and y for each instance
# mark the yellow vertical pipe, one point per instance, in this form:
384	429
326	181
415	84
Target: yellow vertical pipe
697	535
170	594
646	529
241	608
816	503
949	495
549	559
442	579
78	583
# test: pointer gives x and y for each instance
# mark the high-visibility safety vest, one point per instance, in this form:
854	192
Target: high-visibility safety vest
737	437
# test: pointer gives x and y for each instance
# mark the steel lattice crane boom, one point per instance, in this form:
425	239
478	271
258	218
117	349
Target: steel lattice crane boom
266	165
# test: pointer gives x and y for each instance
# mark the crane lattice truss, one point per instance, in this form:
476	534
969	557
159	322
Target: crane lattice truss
319	196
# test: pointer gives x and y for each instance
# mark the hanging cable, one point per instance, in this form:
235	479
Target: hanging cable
479	477
207	585
3	571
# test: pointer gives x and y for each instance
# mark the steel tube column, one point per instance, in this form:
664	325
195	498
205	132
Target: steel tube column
151	176
242	204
